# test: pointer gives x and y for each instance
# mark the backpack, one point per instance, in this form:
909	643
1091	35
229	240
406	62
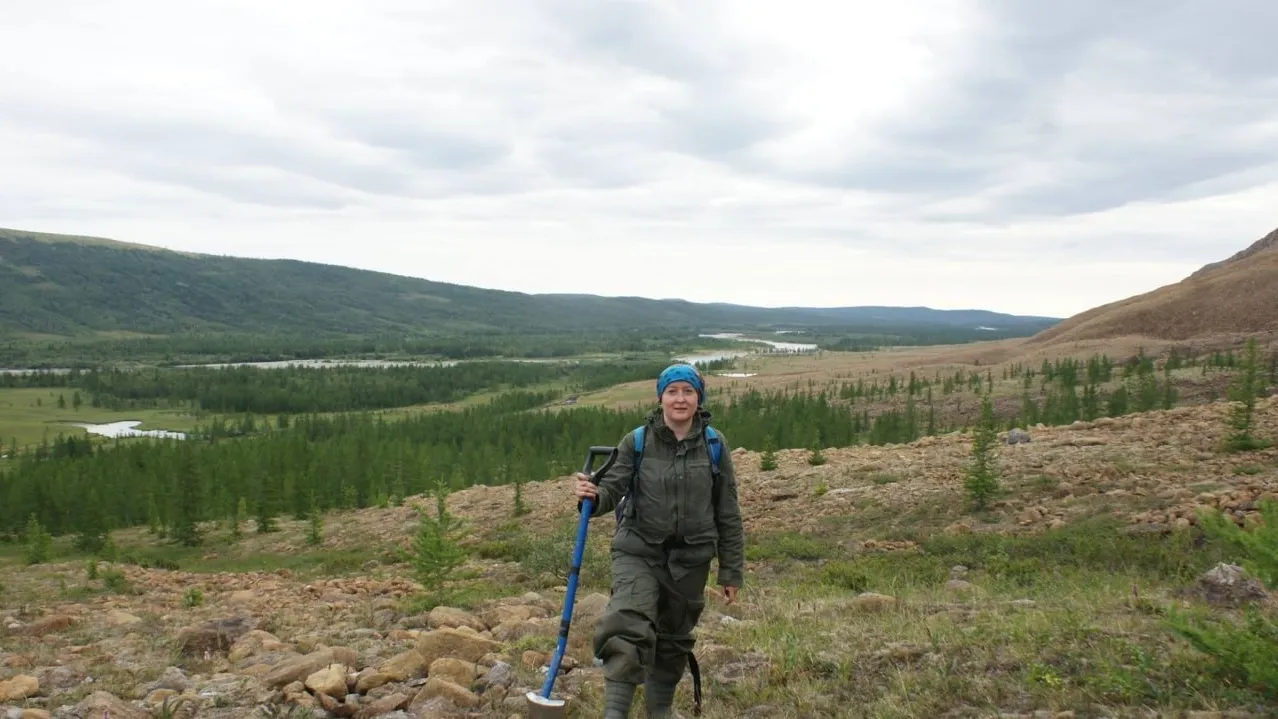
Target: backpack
713	440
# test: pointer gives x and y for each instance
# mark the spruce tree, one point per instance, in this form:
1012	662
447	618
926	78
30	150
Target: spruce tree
186	516
816	457
38	542
315	527
436	549
1243	392
92	533
768	461
982	474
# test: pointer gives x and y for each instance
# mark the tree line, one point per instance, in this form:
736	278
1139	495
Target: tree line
301	389
221	347
358	459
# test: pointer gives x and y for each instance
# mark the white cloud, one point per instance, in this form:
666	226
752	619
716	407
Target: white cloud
1031	158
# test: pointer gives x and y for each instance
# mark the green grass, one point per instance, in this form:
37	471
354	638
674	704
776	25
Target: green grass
1064	620
29	416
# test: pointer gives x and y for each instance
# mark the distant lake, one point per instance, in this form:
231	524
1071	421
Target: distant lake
126	428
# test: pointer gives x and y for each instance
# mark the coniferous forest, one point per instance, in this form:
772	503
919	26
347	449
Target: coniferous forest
308	459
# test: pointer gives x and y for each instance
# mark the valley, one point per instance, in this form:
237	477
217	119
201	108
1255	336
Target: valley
373	538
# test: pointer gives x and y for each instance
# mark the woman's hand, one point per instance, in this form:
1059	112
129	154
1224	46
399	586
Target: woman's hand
585	489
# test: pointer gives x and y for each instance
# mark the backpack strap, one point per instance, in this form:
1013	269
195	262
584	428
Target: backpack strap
624	505
713	440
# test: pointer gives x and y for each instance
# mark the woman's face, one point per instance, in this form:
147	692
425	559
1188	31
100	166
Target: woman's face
679	402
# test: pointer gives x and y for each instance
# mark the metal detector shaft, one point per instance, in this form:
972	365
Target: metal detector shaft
583	524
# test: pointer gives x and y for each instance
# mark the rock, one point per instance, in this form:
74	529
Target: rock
370	679
254	644
512	614
117	618
500	674
47	625
901	652
172	678
243	596
330	680
514	631
215	636
448	617
405	665
104	705
335	707
299	668
459	696
19	688
385	705
1017	436
1230	585
439	707
454	643
158	697
872	601
59	678
457	671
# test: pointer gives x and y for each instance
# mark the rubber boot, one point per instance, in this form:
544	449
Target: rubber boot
618	696
659	699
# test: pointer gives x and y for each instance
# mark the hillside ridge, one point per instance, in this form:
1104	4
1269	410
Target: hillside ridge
65	285
1230	298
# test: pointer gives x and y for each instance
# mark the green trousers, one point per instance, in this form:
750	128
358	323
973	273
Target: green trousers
646	631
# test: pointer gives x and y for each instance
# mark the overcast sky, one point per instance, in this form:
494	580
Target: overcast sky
1022	156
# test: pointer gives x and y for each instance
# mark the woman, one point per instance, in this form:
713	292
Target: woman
678	518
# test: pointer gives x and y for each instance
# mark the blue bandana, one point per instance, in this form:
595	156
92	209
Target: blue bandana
681	373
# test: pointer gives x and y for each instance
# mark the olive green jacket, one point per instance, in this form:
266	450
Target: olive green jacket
674	499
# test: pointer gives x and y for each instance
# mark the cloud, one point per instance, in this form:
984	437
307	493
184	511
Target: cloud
954	153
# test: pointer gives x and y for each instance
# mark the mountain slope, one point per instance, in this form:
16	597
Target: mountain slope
65	285
1238	295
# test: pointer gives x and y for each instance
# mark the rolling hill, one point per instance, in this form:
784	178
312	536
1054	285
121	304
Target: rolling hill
74	286
1236	296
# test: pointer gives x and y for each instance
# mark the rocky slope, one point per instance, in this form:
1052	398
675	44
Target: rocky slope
223	645
1237	296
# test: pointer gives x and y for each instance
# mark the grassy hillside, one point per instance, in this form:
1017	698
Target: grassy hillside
53	286
1236	296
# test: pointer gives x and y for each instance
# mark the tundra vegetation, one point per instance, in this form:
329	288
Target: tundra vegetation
904	558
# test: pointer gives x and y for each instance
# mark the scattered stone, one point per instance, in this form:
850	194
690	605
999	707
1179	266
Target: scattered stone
1229	585
298	668
454	643
104	705
872	601
19	688
117	618
457	695
214	636
448	617
330	680
41	627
